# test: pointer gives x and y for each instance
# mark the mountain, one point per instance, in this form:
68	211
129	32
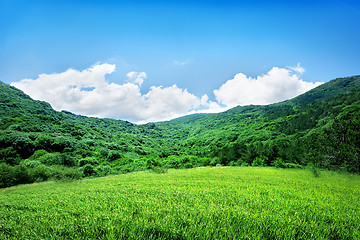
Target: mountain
318	128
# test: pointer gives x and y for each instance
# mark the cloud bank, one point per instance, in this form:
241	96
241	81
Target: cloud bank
277	85
88	93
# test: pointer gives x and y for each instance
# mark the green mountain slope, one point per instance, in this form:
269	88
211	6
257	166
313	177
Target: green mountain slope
320	127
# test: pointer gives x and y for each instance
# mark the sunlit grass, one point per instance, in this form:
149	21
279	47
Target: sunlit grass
202	203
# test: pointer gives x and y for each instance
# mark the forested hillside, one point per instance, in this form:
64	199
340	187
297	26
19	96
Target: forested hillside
320	128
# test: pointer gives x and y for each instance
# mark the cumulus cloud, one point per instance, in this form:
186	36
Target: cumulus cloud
136	77
277	85
88	93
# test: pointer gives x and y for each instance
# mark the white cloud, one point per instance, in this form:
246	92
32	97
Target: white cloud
136	77
297	69
210	105
88	93
277	85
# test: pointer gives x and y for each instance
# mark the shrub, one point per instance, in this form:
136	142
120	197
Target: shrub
57	158
172	161
40	173
231	163
121	161
21	175
188	165
38	153
89	170
279	162
88	160
13	175
126	168
215	161
32	163
259	161
6	175
64	173
239	162
104	170
204	161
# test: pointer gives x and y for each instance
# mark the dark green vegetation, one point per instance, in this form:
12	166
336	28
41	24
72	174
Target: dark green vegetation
198	203
320	128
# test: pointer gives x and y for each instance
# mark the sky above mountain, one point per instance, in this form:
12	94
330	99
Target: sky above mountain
155	60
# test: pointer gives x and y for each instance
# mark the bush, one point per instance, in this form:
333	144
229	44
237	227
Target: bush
279	163
130	167
21	175
172	161
6	175
88	170
40	173
232	163
38	153
32	163
56	158
121	161
204	161
244	164
188	165
64	173
13	175
239	162
104	170
215	161
88	160
259	161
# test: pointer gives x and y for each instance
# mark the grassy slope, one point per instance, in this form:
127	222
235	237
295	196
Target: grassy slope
200	203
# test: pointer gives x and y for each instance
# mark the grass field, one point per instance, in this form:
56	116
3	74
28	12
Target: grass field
201	203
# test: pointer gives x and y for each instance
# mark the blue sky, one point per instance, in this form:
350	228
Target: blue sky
197	45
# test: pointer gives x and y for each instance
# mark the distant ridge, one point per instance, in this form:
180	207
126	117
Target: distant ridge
329	89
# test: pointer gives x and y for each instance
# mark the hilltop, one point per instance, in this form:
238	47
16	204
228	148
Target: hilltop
319	128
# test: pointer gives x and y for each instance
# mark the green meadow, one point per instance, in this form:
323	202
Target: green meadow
198	203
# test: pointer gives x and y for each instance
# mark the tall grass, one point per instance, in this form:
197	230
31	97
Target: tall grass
201	203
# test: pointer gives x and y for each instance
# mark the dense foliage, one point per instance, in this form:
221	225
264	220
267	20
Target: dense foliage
320	128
